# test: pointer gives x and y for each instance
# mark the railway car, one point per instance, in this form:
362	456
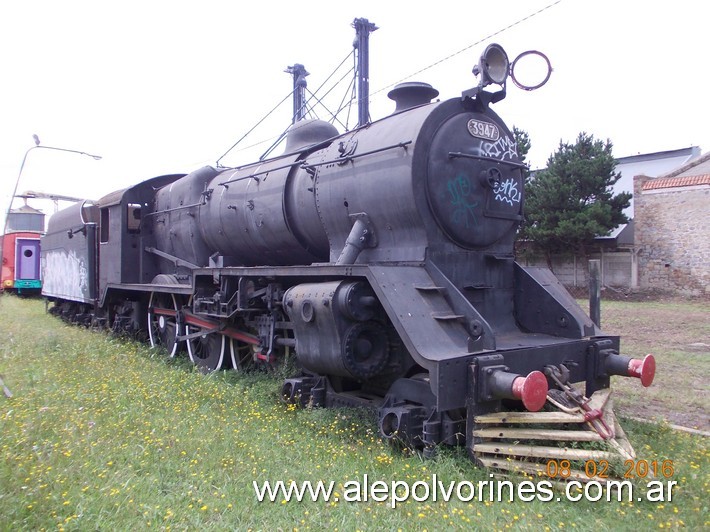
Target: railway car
381	259
21	272
20	262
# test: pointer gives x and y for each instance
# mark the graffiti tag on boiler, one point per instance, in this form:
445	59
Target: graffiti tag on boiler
507	191
504	148
464	209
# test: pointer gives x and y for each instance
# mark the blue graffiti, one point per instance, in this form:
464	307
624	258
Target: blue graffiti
464	209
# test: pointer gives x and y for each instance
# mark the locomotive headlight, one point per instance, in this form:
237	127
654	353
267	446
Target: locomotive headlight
493	66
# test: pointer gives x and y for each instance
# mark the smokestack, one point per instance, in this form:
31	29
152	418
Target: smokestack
411	94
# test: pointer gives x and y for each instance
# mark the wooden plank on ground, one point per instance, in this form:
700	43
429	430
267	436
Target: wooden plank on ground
621	440
533	434
532	468
529	417
600	399
539	451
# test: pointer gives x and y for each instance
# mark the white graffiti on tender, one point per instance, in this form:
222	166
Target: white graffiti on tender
65	274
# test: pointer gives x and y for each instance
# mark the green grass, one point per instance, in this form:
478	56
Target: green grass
105	433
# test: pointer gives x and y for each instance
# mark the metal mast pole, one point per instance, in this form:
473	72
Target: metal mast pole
299	74
363	28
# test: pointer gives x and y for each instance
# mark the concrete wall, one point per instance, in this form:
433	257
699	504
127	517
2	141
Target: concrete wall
616	268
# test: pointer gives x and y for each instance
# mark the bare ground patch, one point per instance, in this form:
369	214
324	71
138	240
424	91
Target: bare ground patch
677	333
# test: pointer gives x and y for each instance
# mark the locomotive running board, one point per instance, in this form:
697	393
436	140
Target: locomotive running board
498	439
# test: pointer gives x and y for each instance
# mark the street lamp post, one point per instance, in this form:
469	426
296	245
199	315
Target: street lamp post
17	181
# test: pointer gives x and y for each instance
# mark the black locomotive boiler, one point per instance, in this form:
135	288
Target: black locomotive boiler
380	258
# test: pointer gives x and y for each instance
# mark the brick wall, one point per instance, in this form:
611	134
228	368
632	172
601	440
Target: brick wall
672	235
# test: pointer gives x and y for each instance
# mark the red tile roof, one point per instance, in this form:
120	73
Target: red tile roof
673	182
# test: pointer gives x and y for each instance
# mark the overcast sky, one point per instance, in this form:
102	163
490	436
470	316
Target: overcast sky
159	87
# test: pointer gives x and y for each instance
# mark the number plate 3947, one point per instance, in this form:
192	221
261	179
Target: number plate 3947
483	130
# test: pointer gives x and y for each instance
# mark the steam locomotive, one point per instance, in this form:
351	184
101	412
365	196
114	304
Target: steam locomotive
380	258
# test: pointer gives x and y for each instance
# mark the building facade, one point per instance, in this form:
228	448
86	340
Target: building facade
672	232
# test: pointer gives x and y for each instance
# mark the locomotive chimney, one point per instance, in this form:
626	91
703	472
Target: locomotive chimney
411	94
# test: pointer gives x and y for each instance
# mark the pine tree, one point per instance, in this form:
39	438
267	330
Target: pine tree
522	141
571	202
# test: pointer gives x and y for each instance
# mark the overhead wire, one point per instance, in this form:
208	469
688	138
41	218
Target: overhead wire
351	87
254	127
478	42
290	94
